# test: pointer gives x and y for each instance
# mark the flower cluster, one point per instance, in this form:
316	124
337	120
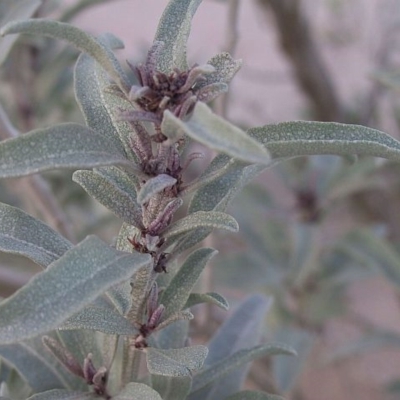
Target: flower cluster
158	158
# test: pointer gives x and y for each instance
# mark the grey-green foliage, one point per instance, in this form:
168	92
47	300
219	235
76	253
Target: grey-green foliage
101	307
16	226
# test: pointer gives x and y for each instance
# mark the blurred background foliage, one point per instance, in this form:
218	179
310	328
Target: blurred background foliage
319	234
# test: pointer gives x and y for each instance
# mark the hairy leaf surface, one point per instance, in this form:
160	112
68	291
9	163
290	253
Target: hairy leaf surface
154	186
215	132
174	30
176	362
61	146
22	234
102	319
137	391
199	219
177	293
210	298
299	138
61	394
251	395
65	287
112	196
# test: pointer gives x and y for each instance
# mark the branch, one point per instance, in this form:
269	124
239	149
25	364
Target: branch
232	38
297	41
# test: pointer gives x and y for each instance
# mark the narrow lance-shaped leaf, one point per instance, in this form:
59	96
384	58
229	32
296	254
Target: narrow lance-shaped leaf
62	394
299	138
137	391
225	69
111	196
210	298
242	329
100	105
177	293
173	30
89	97
22	234
215	132
80	39
176	362
154	186
106	320
19	10
199	219
223	367
63	146
64	288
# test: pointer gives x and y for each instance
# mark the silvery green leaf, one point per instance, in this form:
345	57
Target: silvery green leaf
112	196
177	293
22	234
174	336
80	39
176	362
178	316
251	395
115	104
120	295
242	329
173	30
208	197
210	298
216	196
88	92
33	362
19	10
61	146
299	138
126	231
101	106
172	387
126	180
140	287
72	282
137	391
102	319
200	219
154	186
238	359
225	69
215	132
61	394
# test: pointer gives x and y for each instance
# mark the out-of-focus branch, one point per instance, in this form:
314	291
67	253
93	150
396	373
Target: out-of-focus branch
298	43
36	188
232	38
